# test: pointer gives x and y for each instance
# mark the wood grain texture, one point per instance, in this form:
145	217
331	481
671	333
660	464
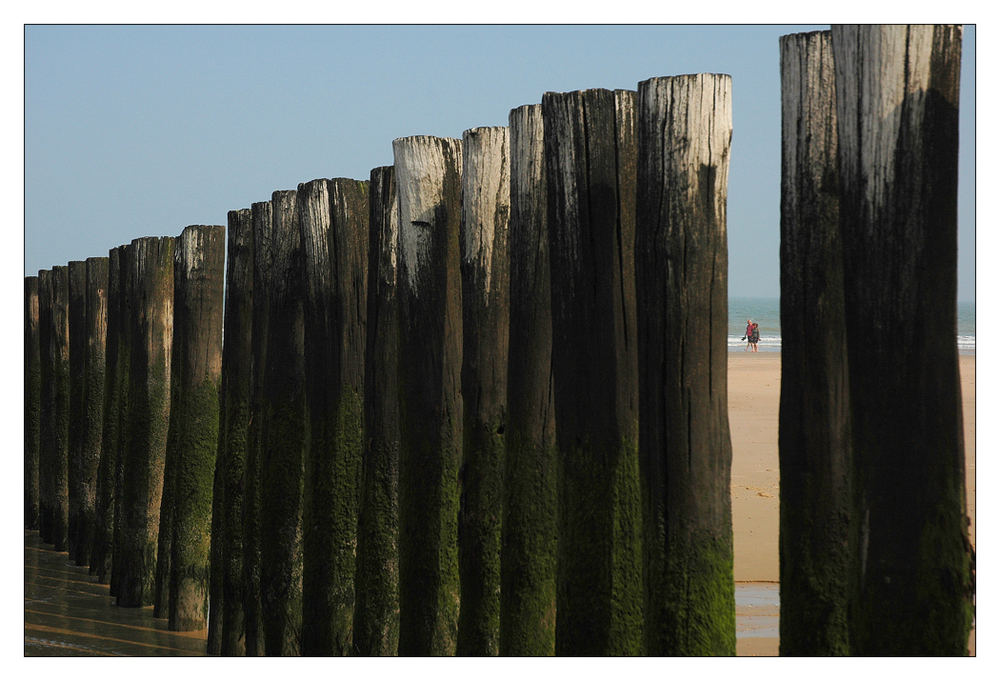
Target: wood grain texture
32	406
46	405
77	417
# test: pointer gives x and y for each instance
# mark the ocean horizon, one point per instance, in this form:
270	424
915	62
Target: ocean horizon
767	313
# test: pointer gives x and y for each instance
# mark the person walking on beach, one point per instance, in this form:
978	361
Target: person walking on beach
748	335
754	336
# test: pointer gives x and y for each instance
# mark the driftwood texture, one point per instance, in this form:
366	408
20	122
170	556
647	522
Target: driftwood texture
897	129
685	127
32	398
528	549
813	422
429	186
590	156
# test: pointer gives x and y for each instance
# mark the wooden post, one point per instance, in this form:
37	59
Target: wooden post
95	333
46	404
32	397
376	606
685	128
263	246
485	272
897	129
104	525
77	418
333	220
58	428
196	371
151	289
284	435
429	187
126	329
590	159
528	551
813	424
234	421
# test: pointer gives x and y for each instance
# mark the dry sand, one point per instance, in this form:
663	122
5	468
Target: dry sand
754	388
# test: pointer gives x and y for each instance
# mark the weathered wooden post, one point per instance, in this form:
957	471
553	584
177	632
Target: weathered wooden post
261	214
429	186
32	397
104	524
57	429
234	421
126	333
528	551
77	418
485	269
376	576
897	130
46	404
284	434
333	221
813	424
590	157
685	127
95	333
151	289
196	371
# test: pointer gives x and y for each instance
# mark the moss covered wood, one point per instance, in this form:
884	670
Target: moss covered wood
46	405
333	221
151	285
376	580
125	336
485	269
813	424
77	363
528	548
59	434
234	421
429	188
216	549
285	434
32	397
102	551
590	156
263	246
95	331
897	132
685	128
196	371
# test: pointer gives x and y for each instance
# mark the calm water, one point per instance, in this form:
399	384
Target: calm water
767	313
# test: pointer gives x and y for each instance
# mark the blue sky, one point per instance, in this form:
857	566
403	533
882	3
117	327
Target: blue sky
139	131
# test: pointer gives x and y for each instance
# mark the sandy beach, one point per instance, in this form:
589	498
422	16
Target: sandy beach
754	385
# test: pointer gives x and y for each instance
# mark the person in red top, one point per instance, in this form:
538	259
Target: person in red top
748	335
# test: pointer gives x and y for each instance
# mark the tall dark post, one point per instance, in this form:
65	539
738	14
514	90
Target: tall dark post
285	434
151	288
528	550
333	221
57	429
813	425
484	240
126	333
77	418
234	422
897	130
32	397
429	187
263	247
46	405
104	525
685	453
590	157
376	576
196	371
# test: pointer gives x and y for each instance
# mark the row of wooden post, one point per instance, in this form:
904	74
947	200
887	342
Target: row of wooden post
474	405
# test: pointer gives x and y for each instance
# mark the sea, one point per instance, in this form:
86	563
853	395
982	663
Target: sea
767	313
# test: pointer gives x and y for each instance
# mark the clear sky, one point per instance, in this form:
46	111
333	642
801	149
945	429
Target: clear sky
139	131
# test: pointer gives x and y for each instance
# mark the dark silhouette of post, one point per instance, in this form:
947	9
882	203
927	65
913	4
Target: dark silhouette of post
125	338
46	405
104	524
32	397
590	157
897	130
284	433
333	220
685	127
528	549
261	214
429	186
77	419
813	424
376	576
485	270
57	429
151	293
